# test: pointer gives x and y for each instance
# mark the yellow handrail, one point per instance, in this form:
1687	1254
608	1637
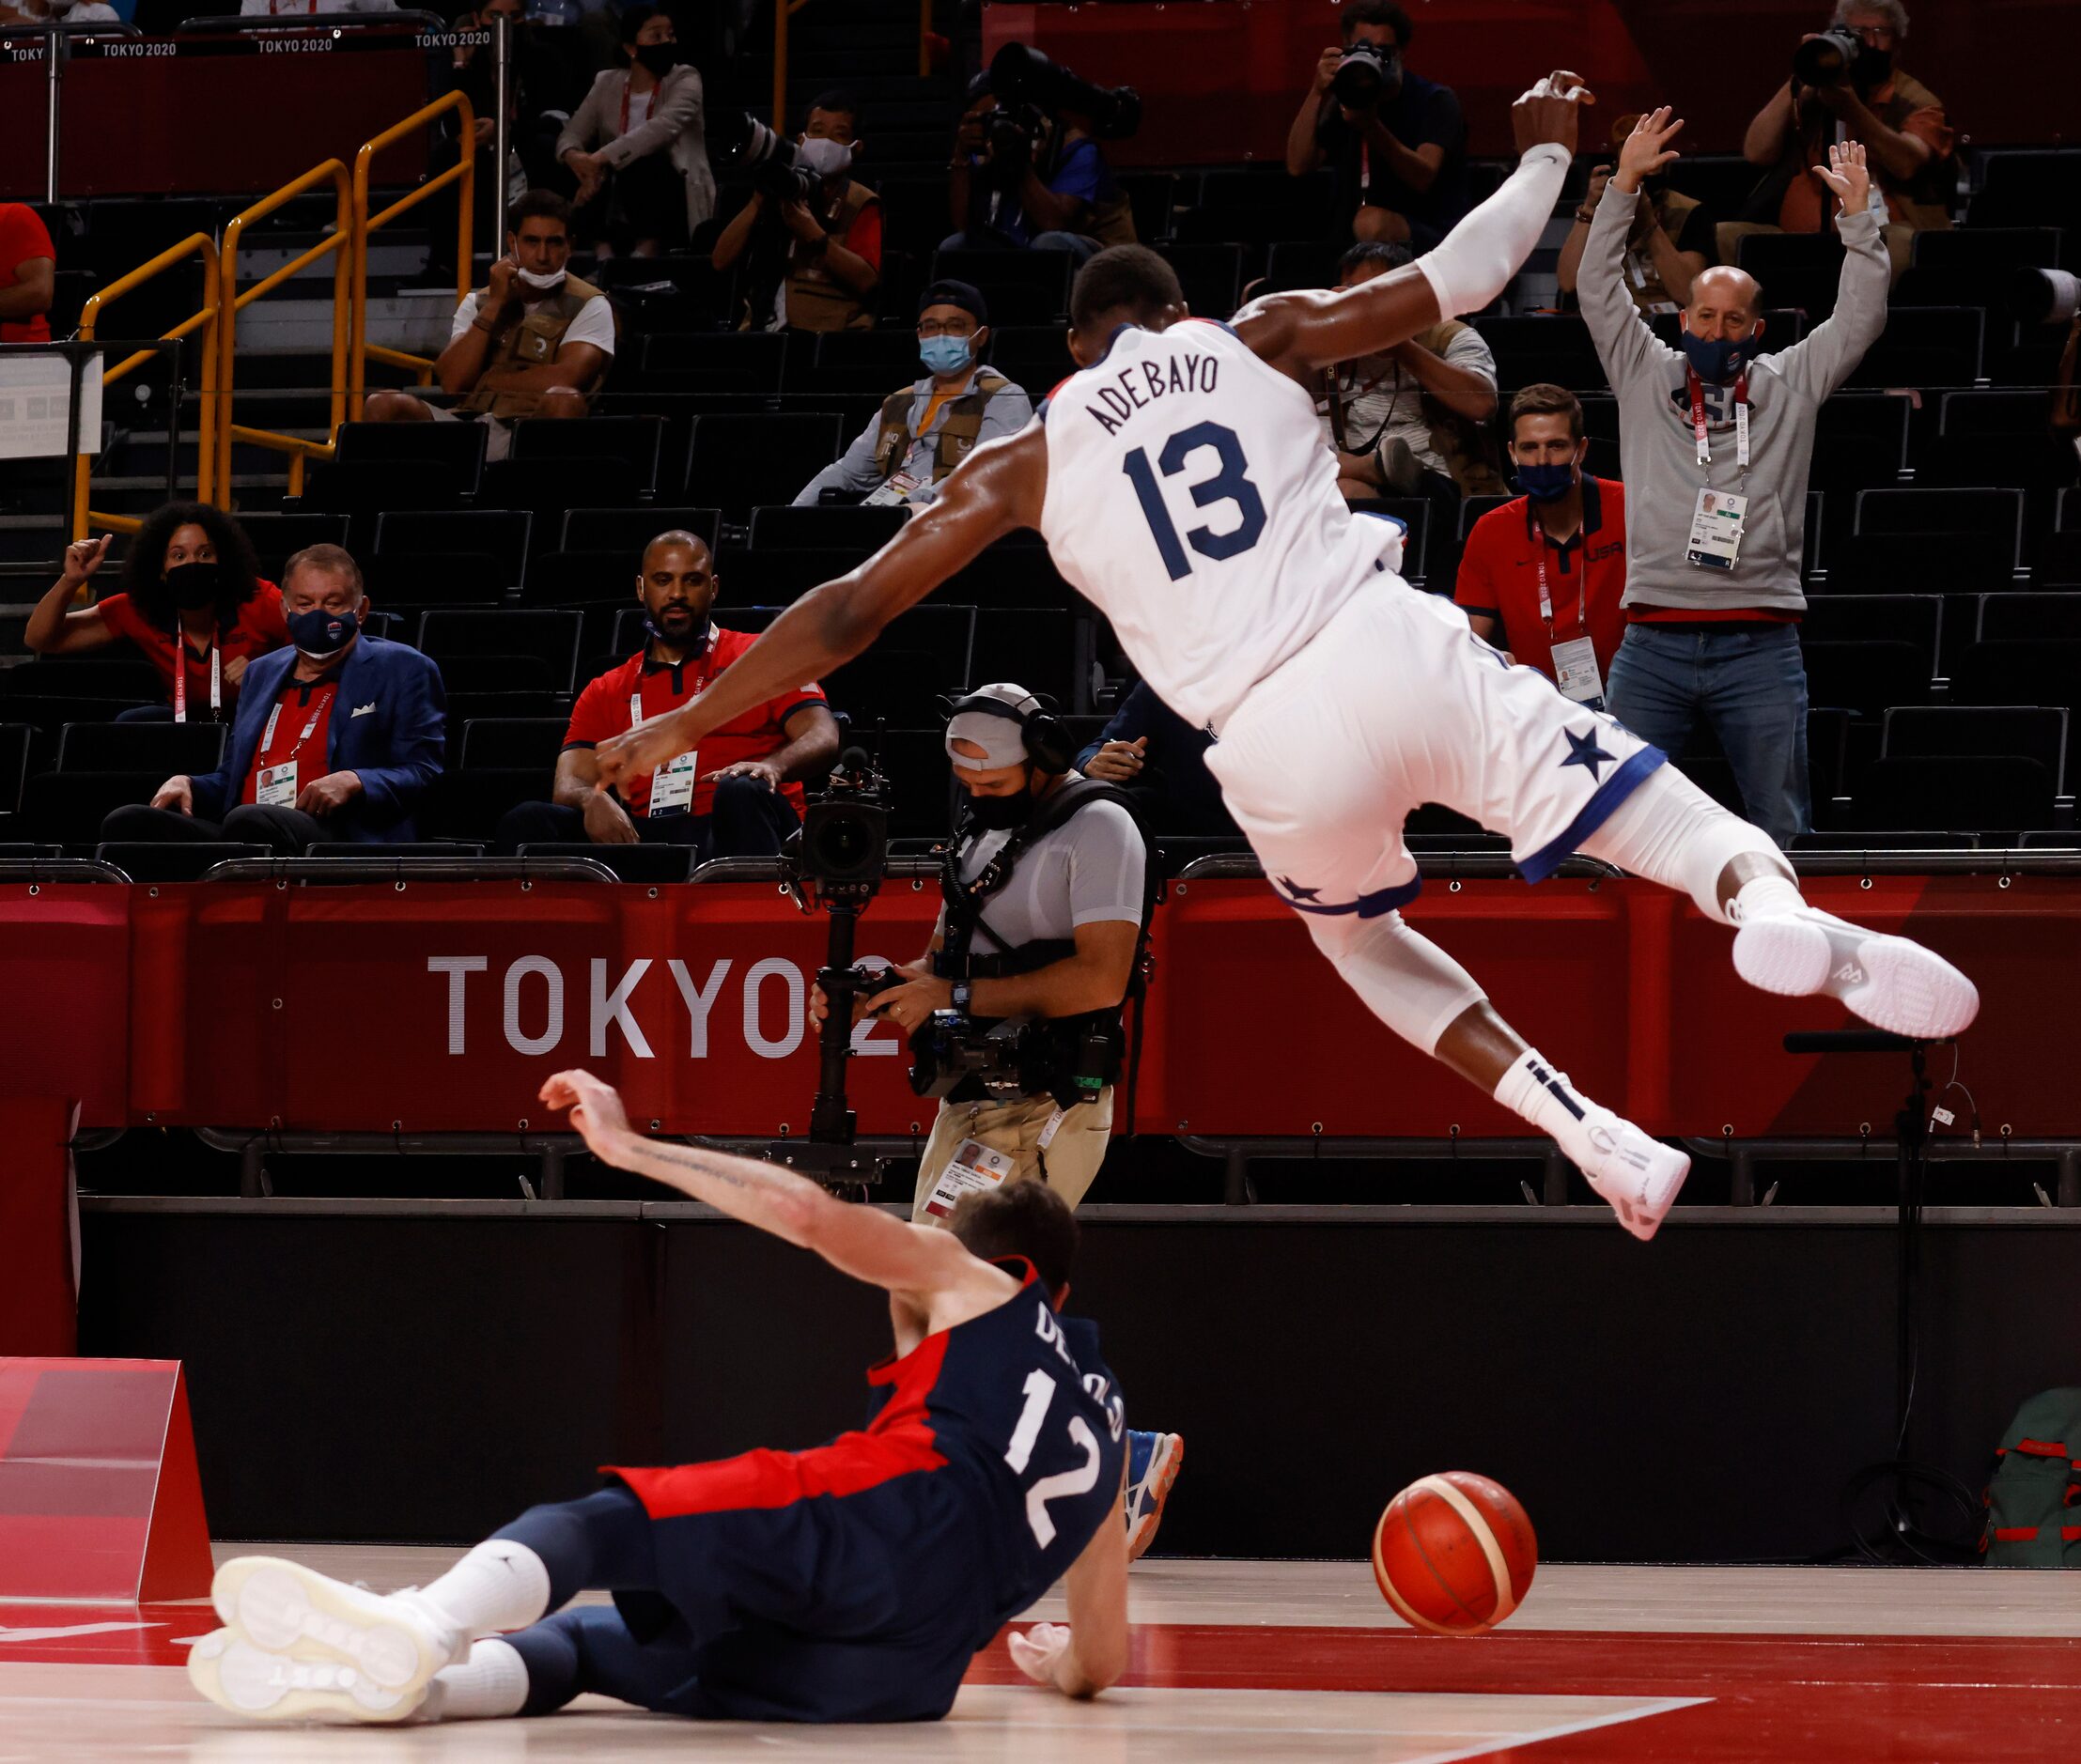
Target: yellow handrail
340	244
205	321
464	173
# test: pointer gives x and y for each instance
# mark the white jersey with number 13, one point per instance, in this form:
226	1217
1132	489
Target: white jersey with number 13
1192	500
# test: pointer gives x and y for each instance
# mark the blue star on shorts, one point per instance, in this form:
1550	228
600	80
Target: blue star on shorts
1584	750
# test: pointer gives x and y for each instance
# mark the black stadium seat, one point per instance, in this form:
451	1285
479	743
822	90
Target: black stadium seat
628	530
1866	677
1950	793
739	462
1021	287
856	529
1794	268
549	635
1923	346
1973	266
1917	619
646	864
1211	275
278	537
722	360
512	741
443	462
2030	732
15	739
1992	516
878	362
113	675
68	808
459	557
174	860
558	460
167	748
1859	442
923	653
1542	347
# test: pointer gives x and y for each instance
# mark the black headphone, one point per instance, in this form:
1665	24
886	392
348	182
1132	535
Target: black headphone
1047	741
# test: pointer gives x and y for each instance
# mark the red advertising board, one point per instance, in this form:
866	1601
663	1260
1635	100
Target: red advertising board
440	1007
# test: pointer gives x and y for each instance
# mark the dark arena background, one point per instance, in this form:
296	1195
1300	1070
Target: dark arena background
293	1255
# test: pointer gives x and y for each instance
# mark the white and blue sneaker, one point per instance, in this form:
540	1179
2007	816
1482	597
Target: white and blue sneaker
1153	1463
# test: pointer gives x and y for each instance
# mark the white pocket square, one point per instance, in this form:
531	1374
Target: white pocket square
363	710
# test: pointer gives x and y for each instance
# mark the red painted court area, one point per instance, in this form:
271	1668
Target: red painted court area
1813	1699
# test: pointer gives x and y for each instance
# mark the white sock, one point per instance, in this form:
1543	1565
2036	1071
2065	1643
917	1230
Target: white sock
1533	1089
1764	897
492	1683
499	1585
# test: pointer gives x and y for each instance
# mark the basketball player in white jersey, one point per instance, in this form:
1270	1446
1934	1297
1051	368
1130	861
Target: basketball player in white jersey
1180	481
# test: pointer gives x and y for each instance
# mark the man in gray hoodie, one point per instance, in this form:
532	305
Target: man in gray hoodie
1713	444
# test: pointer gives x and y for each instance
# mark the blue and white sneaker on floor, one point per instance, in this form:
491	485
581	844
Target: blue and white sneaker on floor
1153	1463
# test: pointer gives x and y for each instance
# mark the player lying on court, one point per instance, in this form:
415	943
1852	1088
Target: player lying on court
851	1583
1180	481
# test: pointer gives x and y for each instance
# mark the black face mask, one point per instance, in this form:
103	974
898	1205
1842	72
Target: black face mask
658	59
999	814
194	586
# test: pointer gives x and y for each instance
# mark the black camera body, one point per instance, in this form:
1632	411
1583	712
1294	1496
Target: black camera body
1828	59
1367	75
1023	76
1014	139
841	853
741	140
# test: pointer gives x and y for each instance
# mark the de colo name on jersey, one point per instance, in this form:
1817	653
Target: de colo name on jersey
1140	385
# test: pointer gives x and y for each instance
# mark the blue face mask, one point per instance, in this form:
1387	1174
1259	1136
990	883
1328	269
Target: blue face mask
318	633
1546	483
946	355
1716	359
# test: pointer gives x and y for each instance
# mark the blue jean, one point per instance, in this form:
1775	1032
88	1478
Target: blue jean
1748	683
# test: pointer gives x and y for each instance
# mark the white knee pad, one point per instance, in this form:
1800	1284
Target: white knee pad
1670	831
1406	979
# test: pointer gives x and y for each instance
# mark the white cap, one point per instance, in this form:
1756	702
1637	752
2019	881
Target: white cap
999	731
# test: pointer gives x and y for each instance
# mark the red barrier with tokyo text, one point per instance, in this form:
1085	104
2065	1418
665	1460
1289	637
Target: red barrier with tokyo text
440	1007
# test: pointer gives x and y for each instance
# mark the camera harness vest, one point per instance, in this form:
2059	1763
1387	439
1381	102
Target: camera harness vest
530	340
963	917
957	437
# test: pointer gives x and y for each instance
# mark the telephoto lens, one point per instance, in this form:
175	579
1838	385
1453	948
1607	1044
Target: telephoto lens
1826	58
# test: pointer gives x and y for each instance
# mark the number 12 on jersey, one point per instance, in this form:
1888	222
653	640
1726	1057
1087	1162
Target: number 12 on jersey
1040	1394
1231	484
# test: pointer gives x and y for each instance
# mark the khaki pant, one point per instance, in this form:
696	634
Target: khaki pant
1899	240
1071	1159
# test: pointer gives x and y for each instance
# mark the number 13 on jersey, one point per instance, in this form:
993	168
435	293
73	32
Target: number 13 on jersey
1229	484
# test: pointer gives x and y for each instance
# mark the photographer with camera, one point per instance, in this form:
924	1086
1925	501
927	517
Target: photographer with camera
1672	242
1397	140
1028	172
1846	86
1015	1011
813	233
924	432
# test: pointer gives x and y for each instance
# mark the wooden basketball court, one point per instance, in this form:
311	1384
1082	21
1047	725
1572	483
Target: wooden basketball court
1256	1660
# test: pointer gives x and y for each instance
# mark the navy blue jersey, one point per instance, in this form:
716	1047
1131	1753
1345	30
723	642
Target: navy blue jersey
855	1581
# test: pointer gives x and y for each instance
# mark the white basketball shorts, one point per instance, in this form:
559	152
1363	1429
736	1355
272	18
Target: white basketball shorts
1393	704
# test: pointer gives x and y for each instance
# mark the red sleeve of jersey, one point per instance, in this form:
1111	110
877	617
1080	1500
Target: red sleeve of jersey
120	614
23	237
263	614
777	710
1475	588
594	717
863	236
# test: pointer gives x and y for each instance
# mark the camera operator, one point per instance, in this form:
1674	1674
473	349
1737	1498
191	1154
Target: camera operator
1396	139
1023	181
821	259
1046	899
1846	86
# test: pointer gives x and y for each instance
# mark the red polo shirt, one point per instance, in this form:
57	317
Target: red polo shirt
22	239
1585	577
258	629
298	728
604	710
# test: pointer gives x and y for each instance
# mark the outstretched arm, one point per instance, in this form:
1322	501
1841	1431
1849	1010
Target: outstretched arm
1081	1658
1299	332
1625	343
864	1242
996	490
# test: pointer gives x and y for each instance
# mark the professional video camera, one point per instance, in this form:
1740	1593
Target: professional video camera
837	861
1828	57
776	165
1023	78
1367	74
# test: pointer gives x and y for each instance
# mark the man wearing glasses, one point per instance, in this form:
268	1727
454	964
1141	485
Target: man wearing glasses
923	432
1861	97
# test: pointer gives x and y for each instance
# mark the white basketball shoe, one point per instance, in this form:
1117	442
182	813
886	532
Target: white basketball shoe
1641	1177
1889	982
297	1643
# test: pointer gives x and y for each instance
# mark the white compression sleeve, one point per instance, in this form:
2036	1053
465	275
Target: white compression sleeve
1478	257
1670	831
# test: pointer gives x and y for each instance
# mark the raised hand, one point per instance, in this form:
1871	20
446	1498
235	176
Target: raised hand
1548	111
595	1107
1647	149
1847	174
84	557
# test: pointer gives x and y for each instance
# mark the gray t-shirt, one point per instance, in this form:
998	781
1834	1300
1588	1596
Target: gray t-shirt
1087	871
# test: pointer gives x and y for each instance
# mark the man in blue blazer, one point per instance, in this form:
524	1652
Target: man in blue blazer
336	738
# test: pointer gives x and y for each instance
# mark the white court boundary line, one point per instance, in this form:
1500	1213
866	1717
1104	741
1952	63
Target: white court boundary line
1661	1707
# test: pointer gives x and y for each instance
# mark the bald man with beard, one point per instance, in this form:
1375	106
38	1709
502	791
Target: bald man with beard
1714	440
740	795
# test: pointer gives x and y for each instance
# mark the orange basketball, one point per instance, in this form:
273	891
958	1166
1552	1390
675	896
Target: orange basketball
1454	1554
